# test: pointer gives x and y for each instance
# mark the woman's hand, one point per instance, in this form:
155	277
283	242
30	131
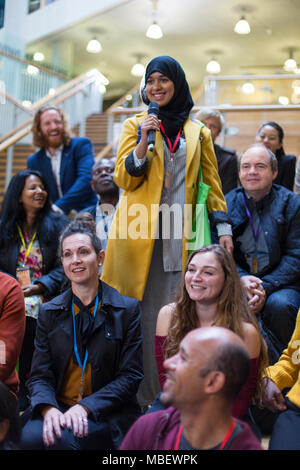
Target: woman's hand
150	123
32	289
227	243
76	419
54	420
272	396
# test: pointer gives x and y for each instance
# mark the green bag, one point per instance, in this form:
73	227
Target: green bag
200	226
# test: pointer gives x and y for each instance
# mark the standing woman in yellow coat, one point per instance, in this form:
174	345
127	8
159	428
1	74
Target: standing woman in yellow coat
147	247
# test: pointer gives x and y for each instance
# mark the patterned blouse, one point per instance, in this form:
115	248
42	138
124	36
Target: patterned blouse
34	262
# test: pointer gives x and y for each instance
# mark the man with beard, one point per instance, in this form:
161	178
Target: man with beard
64	161
108	197
203	380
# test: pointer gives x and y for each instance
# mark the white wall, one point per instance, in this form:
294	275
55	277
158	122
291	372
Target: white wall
52	18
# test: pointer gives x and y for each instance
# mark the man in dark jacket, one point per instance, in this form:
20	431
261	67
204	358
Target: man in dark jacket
226	158
108	197
203	380
266	233
65	162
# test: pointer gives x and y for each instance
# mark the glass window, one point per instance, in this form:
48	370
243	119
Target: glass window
2	9
33	5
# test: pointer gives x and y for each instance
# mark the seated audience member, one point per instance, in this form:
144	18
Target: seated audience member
10	425
108	197
203	379
271	135
29	232
12	327
87	363
226	158
297	178
283	376
64	161
211	294
266	231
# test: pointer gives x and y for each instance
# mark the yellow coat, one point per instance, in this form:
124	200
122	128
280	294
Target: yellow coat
286	372
127	259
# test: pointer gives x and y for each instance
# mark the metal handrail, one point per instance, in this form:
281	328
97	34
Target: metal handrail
62	94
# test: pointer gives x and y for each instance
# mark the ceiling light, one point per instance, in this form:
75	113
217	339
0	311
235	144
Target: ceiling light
154	31
38	57
138	70
32	70
242	26
213	66
290	64
283	100
26	103
102	89
94	46
248	88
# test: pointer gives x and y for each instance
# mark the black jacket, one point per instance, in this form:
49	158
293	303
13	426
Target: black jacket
286	171
227	167
279	214
115	355
48	235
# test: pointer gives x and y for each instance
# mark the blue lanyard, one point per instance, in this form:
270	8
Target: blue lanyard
82	366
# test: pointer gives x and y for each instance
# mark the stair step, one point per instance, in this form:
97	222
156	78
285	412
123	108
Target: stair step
96	131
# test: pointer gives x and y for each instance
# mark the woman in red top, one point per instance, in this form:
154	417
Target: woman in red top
211	294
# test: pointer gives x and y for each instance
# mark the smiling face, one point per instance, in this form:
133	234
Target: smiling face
204	278
34	195
184	386
159	88
80	260
52	127
269	136
256	174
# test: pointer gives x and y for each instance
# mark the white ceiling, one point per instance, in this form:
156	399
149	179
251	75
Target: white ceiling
192	29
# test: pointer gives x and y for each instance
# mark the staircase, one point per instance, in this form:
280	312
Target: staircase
96	131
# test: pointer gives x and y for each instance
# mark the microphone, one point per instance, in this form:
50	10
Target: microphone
152	109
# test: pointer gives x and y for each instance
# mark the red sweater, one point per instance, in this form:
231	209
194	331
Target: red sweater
12	328
244	398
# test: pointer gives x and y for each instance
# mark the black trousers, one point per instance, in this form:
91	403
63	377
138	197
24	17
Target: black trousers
25	360
286	430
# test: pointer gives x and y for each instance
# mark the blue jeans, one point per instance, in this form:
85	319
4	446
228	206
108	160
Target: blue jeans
285	434
279	315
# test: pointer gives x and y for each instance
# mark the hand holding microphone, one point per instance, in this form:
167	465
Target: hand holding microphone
154	110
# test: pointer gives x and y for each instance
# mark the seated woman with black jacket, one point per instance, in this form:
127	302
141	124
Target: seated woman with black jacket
29	234
87	363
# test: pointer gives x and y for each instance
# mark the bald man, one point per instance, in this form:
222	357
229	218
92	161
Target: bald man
203	380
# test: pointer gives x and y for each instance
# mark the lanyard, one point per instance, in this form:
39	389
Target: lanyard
223	443
24	244
254	233
82	366
172	148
